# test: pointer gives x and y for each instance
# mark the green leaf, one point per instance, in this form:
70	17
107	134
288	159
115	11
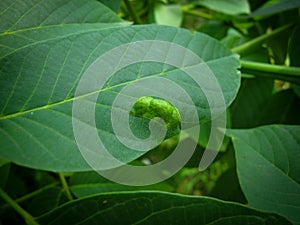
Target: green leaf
3	162
279	47
84	184
84	190
297	90
281	108
251	99
216	29
293	51
257	105
231	7
277	6
114	5
228	191
41	67
268	168
4	171
168	14
45	201
17	14
156	208
294	48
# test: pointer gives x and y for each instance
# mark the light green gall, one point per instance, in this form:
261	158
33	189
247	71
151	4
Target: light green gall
141	106
149	108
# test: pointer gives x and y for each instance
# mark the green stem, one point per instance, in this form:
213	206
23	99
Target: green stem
187	10
230	24
65	186
257	42
276	69
190	10
27	217
30	195
291	74
132	13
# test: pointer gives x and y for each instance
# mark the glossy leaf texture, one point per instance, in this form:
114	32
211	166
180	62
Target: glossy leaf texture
230	7
84	184
42	60
273	7
155	208
18	15
268	168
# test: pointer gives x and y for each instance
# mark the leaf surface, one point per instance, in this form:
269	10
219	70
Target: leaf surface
17	15
268	168
230	7
42	65
156	208
168	14
273	7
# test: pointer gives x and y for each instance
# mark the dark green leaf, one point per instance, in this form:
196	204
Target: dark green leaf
268	168
156	208
251	99
4	171
281	108
293	51
297	90
114	5
90	183
45	201
215	29
84	190
294	47
273	7
3	161
229	191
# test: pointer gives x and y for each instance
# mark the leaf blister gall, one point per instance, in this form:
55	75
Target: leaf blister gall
149	108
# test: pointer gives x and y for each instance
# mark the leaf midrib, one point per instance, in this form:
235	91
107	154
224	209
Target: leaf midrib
47	106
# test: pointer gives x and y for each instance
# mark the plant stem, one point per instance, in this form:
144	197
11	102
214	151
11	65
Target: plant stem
277	69
132	13
189	11
65	186
291	74
257	42
27	217
30	195
230	24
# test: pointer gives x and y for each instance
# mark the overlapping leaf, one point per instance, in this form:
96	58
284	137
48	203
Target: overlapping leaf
18	15
268	168
230	7
42	62
155	208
